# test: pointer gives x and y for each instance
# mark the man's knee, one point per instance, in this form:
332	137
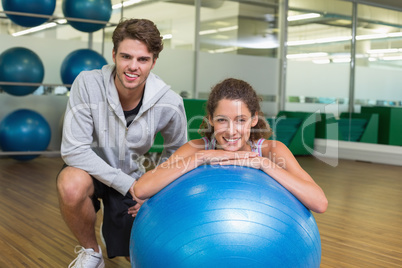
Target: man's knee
74	185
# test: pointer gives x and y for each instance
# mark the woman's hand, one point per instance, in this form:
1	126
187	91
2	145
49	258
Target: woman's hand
185	159
253	162
219	156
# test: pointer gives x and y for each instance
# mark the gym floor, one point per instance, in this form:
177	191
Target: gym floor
361	228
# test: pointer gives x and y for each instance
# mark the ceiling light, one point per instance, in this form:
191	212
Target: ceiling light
392	58
381	51
304	16
220	30
323	61
61	21
340	39
333	39
35	29
397	34
307	55
371	36
230	28
223	50
212	31
319	41
40	27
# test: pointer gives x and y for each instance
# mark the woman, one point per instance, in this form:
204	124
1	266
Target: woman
236	133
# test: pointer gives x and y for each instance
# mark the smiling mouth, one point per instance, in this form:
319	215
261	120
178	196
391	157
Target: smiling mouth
231	140
131	75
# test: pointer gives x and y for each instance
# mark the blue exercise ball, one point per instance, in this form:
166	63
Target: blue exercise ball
24	130
78	61
100	10
39	7
22	65
224	216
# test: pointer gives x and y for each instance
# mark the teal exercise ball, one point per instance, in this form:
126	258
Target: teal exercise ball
224	216
78	61
39	7
100	10
22	65
24	130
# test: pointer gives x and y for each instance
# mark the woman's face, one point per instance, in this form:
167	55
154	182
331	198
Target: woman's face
232	122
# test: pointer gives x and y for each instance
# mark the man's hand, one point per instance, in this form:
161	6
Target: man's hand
134	209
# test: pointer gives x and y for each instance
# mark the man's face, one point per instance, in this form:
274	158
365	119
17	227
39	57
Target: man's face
133	64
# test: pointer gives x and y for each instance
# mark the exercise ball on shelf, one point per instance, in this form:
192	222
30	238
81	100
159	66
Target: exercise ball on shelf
39	7
100	10
78	61
21	65
224	216
24	130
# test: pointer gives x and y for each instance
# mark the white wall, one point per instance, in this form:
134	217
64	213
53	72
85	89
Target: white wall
261	72
378	83
317	80
332	81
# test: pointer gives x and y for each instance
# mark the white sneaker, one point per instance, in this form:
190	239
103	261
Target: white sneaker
87	258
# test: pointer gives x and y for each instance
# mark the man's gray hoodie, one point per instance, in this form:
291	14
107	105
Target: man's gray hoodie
95	136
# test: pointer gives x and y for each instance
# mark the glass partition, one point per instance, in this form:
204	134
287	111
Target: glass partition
240	39
379	57
318	56
378	94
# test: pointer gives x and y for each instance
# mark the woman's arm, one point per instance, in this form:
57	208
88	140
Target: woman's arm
284	168
185	159
279	163
179	163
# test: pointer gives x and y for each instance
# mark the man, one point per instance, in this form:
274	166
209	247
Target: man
111	120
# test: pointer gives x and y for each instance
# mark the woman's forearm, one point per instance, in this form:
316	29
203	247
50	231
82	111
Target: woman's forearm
155	180
307	191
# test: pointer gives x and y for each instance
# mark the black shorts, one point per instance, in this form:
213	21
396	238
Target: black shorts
117	223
